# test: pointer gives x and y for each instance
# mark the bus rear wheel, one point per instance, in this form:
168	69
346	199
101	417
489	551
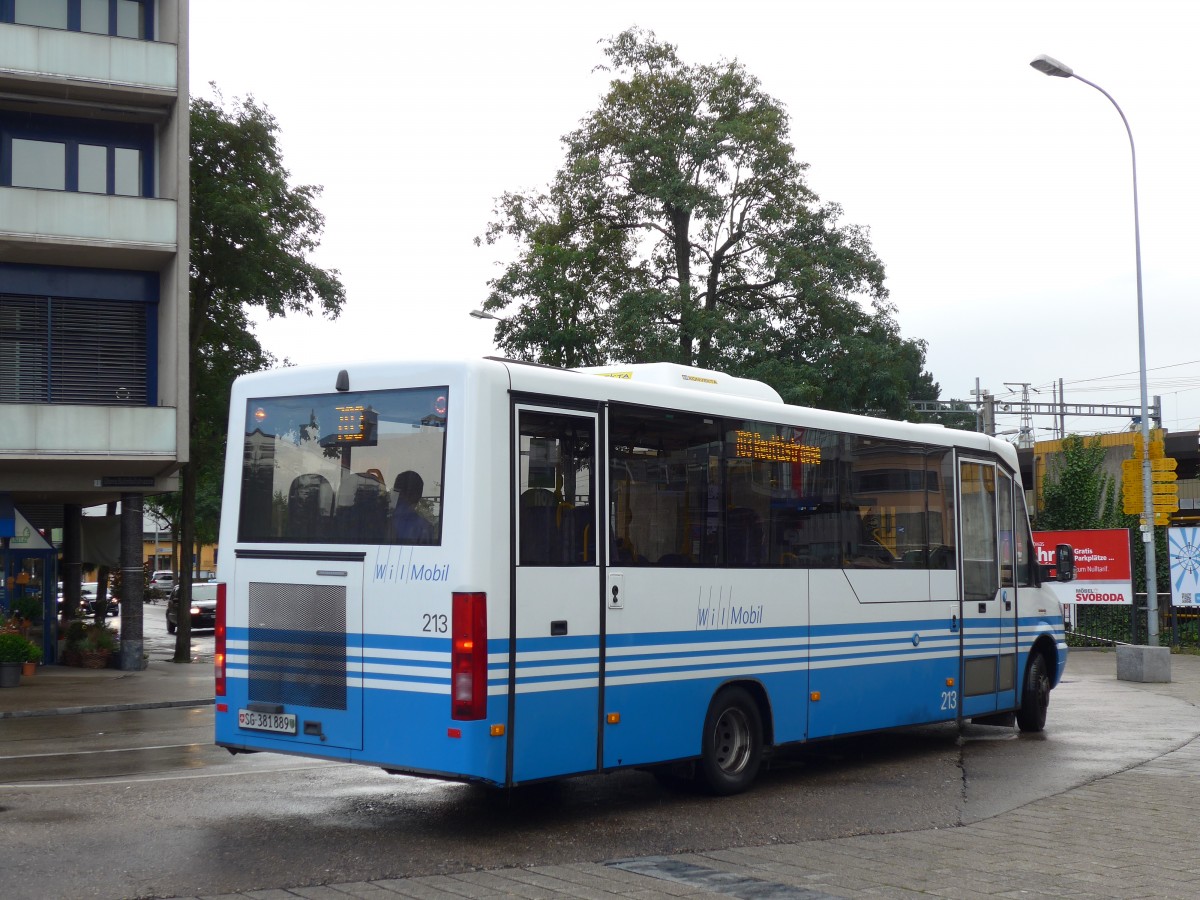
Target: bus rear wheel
731	747
1035	697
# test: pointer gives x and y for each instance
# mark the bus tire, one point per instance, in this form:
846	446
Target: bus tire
1035	696
731	746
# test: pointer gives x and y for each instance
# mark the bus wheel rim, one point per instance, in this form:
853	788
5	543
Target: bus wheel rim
732	741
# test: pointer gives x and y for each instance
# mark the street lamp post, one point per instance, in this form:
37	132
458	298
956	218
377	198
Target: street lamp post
1050	66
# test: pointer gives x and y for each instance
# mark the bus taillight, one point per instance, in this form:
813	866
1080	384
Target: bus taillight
468	656
219	635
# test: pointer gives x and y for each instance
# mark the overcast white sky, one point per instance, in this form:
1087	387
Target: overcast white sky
1000	200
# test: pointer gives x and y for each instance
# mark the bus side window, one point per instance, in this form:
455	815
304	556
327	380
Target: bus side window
539	529
1023	541
743	537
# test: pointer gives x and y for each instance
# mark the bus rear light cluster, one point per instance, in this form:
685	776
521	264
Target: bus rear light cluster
219	635
468	656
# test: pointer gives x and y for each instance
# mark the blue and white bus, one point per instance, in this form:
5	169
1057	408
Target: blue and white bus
500	572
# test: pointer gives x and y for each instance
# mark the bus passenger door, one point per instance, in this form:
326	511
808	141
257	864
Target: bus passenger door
1006	672
981	595
556	607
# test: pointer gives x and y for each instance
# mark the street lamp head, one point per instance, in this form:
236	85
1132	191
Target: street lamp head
1048	65
480	314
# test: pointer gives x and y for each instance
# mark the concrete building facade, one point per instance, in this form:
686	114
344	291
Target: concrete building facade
94	152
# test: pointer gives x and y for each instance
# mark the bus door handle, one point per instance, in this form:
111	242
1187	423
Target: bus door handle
953	619
983	607
616	580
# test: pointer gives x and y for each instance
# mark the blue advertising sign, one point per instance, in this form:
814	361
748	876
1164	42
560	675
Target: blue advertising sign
1184	547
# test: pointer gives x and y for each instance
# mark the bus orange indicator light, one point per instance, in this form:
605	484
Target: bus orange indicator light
496	731
454	732
613	718
949	682
814	696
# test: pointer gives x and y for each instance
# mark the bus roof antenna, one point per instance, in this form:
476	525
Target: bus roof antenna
343	381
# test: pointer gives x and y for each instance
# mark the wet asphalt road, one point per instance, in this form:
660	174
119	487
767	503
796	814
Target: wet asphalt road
139	804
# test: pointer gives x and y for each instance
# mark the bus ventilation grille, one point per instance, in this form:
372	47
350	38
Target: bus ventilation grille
297	653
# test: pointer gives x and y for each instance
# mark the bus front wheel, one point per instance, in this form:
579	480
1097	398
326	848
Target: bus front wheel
1035	697
732	745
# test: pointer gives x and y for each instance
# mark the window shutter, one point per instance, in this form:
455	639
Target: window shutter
24	366
72	351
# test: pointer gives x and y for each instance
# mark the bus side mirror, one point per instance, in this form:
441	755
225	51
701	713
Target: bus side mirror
1064	562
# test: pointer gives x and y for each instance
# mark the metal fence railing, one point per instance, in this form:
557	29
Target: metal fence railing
1095	625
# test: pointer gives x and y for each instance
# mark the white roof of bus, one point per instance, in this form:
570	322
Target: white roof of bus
649	384
674	375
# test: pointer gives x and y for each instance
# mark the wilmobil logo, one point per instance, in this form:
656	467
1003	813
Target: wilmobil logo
397	572
727	615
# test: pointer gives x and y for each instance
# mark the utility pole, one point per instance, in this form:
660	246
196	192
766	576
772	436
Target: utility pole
1062	419
985	407
1025	436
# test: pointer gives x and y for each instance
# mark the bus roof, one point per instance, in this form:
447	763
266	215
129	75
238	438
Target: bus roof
653	384
674	375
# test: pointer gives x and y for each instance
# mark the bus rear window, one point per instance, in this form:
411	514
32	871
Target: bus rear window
346	468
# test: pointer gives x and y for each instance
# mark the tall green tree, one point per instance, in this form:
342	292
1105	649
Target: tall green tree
1076	492
680	227
251	236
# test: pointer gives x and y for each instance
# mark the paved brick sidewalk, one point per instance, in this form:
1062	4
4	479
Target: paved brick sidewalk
1129	834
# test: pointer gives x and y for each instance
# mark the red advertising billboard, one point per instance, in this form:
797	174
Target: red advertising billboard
1103	571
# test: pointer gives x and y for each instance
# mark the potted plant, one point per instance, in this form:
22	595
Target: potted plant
26	611
70	637
29	667
14	650
89	645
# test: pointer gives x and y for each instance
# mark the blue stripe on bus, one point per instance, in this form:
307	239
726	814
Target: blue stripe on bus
416	679
706	636
841	643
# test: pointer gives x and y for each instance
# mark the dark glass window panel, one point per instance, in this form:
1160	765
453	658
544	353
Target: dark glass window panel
349	468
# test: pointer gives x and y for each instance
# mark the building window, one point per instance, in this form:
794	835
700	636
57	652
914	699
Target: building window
118	18
131	19
93	16
39	164
43	13
127	171
60	154
93	169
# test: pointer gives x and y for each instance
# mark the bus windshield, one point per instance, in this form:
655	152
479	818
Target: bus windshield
345	468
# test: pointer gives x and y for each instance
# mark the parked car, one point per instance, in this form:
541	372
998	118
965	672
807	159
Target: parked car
89	591
163	579
204	607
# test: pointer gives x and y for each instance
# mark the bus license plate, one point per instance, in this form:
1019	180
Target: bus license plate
281	723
